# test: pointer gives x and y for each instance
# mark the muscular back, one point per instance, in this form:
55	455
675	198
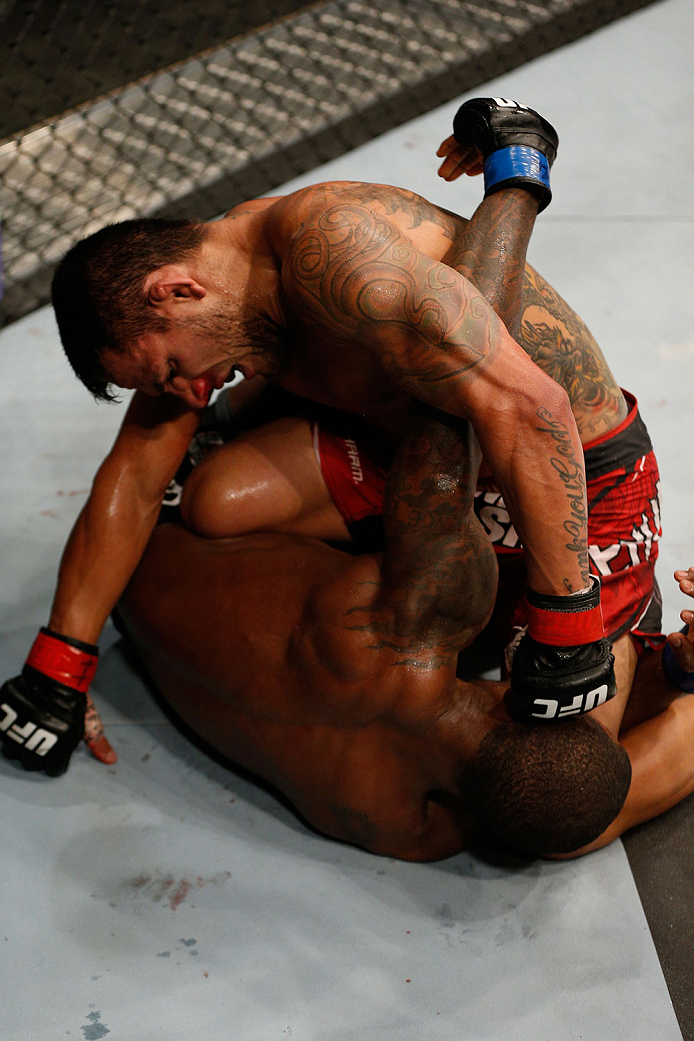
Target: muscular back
266	663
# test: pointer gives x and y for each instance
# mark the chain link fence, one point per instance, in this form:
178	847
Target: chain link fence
148	108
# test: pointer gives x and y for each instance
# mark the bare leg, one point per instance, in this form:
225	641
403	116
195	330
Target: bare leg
661	748
265	480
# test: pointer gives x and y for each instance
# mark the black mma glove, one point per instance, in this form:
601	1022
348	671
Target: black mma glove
563	665
517	144
42	711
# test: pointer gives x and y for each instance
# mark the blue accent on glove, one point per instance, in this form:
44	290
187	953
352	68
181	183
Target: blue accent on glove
517	163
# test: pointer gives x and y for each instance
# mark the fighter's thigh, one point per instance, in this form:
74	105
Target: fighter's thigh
267	479
625	658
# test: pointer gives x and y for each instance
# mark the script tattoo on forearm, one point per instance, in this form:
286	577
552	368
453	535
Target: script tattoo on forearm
358	278
572	475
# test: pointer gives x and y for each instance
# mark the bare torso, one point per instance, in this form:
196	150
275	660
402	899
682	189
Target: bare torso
350	378
307	704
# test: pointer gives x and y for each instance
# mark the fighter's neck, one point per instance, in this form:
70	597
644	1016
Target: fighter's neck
453	735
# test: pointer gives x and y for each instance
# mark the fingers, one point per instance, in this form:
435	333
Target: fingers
446	146
94	737
682	644
457	160
686	580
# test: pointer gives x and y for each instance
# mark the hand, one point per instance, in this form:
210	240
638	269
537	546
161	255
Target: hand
550	683
47	710
94	737
682	643
562	665
458	159
514	145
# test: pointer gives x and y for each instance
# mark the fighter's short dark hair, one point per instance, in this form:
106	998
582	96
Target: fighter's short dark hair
547	789
98	290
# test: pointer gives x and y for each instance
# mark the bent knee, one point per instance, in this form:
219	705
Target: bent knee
219	502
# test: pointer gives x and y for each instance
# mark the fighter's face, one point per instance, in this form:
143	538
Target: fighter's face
191	359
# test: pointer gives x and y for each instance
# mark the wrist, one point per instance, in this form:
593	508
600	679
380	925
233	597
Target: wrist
566	621
69	662
518	166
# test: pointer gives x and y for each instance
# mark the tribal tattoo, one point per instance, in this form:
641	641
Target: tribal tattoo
362	281
439	569
490	251
415	207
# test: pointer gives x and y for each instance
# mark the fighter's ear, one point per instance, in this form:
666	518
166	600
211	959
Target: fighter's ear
170	285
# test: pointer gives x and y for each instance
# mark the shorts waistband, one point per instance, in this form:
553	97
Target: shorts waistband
620	447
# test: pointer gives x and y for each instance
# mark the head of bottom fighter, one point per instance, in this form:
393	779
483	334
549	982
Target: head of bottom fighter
333	677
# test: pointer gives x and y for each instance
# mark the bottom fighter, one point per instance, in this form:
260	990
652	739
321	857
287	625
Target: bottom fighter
333	677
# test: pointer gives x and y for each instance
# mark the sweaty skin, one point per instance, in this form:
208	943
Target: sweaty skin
343	293
333	677
330	675
359	268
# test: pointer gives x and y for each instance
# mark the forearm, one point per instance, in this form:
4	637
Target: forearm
661	751
492	250
435	547
112	530
535	455
542	477
100	556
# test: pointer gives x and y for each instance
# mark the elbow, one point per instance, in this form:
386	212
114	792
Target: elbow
539	396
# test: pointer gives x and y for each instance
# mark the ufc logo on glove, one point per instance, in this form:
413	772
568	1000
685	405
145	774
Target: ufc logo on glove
581	703
35	739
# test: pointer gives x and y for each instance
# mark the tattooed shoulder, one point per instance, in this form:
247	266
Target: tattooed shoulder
560	343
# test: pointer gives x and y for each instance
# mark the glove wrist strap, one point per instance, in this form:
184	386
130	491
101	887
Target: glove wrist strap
566	621
62	662
520	164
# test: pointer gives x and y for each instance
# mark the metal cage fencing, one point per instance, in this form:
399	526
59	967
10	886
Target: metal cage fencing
145	108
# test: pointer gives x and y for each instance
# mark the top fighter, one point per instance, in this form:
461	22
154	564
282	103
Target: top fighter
334	676
352	295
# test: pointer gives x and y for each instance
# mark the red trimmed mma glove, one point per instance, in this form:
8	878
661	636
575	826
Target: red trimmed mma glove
517	144
563	665
42	711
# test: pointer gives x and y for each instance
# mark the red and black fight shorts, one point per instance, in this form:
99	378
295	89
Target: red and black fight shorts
622	484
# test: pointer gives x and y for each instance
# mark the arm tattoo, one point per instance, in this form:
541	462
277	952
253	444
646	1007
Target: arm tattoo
490	251
556	339
359	279
400	200
572	475
439	569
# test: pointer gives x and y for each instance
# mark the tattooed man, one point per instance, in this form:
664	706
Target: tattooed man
360	297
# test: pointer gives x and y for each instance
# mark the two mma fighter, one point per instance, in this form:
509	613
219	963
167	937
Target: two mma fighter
384	279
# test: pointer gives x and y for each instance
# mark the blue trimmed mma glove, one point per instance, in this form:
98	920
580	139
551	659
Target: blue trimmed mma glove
517	144
42	711
562	665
